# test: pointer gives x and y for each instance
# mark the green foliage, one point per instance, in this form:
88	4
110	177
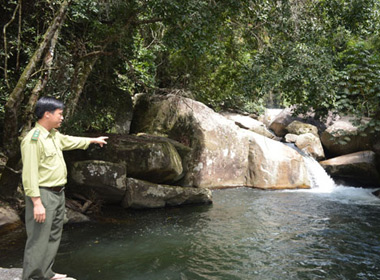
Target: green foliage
321	55
358	84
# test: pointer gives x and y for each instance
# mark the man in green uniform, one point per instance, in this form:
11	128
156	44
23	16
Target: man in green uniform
44	176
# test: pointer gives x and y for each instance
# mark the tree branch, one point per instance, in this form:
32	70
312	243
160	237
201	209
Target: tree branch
6	44
146	21
19	36
95	53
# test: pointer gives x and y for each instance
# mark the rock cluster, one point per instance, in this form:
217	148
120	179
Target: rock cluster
173	149
179	147
178	150
349	155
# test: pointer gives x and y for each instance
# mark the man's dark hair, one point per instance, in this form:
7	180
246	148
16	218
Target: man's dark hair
47	104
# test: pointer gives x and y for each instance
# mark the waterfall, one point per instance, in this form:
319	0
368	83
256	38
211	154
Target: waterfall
320	180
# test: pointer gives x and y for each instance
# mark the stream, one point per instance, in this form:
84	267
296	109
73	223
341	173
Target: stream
245	234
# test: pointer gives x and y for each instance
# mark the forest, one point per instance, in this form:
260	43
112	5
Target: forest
247	55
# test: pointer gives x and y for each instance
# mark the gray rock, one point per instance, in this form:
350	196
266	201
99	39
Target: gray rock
10	273
16	274
148	158
357	169
72	217
104	178
143	194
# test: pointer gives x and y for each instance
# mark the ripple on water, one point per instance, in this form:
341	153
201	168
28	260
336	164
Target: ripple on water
245	234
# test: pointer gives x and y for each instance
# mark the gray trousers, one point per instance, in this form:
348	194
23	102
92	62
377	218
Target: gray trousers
43	238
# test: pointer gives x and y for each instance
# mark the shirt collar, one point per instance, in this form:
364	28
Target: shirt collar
44	132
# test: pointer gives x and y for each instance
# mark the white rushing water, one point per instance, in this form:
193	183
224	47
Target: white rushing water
322	183
320	180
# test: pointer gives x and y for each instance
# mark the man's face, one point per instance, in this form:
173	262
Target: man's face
56	118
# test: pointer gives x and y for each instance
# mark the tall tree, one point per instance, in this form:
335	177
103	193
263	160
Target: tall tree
9	179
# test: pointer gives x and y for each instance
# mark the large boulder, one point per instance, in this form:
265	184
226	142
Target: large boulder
281	121
343	137
222	154
215	142
273	165
311	145
143	194
298	128
356	169
150	158
107	179
246	122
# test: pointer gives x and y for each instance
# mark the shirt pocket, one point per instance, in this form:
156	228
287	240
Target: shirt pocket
49	157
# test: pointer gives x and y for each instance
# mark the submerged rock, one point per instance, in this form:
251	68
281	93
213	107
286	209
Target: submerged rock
357	169
377	193
142	194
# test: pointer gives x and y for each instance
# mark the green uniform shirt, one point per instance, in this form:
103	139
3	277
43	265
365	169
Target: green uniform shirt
42	158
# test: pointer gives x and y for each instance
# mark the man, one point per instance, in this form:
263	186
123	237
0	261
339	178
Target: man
44	176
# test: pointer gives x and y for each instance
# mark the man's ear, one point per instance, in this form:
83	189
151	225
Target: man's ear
47	115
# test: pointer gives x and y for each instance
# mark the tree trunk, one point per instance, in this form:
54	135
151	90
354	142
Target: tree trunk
39	87
82	71
8	185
